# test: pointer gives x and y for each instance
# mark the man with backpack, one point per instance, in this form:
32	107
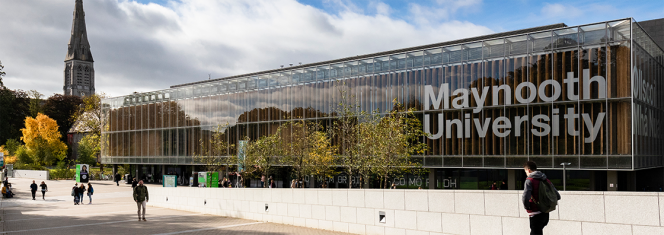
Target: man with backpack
539	198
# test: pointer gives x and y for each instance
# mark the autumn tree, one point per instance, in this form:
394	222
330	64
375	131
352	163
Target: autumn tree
61	108
397	137
88	149
308	150
42	140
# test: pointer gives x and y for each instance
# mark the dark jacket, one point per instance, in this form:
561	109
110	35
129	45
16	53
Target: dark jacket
141	193
531	191
33	187
90	190
134	183
44	187
77	191
117	177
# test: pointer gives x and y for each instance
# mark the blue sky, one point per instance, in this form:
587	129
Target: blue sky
505	15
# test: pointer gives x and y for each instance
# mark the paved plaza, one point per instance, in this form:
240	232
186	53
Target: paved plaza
113	211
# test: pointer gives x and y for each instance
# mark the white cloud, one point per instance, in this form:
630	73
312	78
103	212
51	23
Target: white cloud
140	47
560	11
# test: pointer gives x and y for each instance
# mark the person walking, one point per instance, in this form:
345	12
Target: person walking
74	192
33	189
90	192
272	184
117	179
394	186
262	181
293	184
141	198
81	191
494	186
44	189
531	198
134	183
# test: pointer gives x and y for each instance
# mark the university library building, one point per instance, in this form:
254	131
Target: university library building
582	96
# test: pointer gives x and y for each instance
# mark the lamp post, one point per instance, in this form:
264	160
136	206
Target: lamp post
564	164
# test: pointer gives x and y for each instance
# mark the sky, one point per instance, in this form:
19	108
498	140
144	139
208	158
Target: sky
147	45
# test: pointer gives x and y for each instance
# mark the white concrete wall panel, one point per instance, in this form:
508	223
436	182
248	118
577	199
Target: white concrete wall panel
393	199
430	212
441	201
405	219
485	225
340	197
429	221
502	203
578	206
325	197
469	202
416	200
455	223
635	209
605	229
348	214
647	230
373	198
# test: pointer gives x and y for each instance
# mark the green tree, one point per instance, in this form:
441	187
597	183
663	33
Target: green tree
12	145
88	149
22	155
215	156
14	107
61	108
262	153
35	102
398	135
307	150
89	119
354	154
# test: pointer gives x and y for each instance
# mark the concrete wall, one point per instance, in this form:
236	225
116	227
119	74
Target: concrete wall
40	175
422	211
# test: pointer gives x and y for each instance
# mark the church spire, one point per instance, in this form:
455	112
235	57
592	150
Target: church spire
79	47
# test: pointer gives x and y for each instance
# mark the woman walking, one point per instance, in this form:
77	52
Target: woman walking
90	191
44	189
81	191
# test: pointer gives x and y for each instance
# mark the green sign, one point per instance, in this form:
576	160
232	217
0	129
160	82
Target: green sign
169	181
202	179
214	180
78	173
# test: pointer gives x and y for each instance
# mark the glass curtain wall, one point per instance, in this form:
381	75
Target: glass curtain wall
555	96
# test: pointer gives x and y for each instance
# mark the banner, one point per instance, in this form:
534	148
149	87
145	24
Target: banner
82	173
169	181
2	159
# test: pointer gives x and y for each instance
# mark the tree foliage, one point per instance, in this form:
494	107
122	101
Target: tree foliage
14	107
90	115
62	108
308	150
88	148
42	140
216	155
262	153
35	103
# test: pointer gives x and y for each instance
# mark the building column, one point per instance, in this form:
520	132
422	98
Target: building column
511	179
432	178
612	181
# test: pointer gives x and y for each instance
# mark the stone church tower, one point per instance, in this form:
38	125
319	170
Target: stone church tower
79	70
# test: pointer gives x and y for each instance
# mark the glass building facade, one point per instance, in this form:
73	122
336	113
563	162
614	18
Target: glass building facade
587	95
